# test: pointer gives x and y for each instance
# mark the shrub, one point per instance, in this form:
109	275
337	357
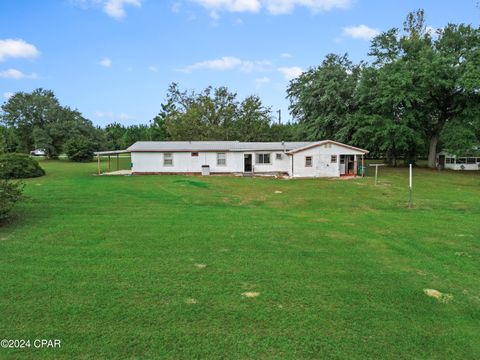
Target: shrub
10	193
19	166
79	149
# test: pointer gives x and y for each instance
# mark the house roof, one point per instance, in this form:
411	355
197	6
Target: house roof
323	142
187	146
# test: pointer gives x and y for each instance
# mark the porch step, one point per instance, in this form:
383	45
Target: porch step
248	174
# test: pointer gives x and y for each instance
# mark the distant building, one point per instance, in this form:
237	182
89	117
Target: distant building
445	160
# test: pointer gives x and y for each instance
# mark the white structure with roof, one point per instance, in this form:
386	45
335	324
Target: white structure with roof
449	161
295	159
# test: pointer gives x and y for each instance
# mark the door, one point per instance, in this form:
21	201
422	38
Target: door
342	165
441	161
351	164
247	163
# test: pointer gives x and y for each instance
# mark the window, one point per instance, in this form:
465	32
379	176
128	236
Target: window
221	159
478	160
308	161
167	159
342	159
333	158
278	156
461	161
448	160
194	154
470	160
263	158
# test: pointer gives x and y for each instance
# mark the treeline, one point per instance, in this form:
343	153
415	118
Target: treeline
420	93
37	120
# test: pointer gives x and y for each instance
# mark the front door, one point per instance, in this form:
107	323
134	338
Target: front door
247	163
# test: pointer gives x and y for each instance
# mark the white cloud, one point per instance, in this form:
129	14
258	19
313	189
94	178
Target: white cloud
116	8
7	95
16	74
360	32
112	115
17	48
214	15
231	5
224	63
274	7
287	6
229	63
286	55
124	116
153	68
290	73
176	7
105	62
262	81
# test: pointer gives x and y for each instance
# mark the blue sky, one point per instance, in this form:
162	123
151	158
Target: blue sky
113	59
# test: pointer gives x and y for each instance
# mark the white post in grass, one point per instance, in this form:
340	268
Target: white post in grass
410	186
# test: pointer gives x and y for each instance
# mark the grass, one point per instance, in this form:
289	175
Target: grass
108	265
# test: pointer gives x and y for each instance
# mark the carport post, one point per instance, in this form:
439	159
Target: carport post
118	168
98	162
108	163
363	167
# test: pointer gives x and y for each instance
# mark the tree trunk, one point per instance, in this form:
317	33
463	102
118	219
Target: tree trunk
432	152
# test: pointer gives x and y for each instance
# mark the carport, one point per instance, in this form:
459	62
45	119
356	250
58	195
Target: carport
109	154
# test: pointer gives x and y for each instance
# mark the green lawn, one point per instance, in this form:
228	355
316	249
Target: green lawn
112	267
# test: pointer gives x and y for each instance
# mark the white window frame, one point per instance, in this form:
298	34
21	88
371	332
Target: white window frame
257	158
222	162
331	159
167	157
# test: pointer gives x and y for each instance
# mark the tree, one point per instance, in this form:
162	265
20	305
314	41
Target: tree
114	136
10	193
79	149
135	133
39	121
323	98
253	121
213	114
432	74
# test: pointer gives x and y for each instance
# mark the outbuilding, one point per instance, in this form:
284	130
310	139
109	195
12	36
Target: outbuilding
467	161
294	159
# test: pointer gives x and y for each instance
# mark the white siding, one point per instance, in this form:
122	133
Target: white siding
275	166
321	165
184	162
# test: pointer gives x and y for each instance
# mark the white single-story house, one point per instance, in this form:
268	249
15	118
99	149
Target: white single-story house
446	160
294	159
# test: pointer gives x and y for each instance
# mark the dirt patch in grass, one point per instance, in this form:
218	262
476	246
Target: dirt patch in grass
191	301
200	266
278	192
442	297
250	294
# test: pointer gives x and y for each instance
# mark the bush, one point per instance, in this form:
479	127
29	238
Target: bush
79	149
10	193
19	166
